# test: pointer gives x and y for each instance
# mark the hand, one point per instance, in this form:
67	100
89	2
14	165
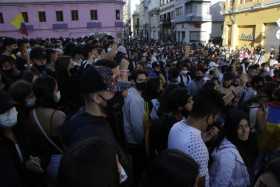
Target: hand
208	135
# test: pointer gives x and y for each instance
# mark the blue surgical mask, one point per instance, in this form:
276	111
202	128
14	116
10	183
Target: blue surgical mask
30	102
9	118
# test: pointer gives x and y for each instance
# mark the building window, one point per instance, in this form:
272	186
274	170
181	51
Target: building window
1	18
93	15
118	15
75	15
42	16
25	17
179	11
195	36
59	16
188	9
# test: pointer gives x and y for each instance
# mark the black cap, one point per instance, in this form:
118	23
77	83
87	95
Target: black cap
107	63
228	76
9	41
38	53
6	102
95	79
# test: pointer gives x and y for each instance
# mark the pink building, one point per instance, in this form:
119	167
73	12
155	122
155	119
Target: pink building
62	18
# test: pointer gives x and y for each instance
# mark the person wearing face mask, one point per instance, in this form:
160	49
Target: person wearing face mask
185	77
110	47
197	84
38	58
174	107
186	136
22	93
23	58
133	116
96	86
98	89
8	70
10	46
67	76
10	155
42	127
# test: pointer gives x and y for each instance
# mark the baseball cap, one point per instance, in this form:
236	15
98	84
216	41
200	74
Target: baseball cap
38	53
95	79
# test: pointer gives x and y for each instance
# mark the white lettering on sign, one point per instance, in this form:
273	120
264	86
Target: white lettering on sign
247	37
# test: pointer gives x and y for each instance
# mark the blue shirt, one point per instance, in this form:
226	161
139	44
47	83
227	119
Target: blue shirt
228	168
133	117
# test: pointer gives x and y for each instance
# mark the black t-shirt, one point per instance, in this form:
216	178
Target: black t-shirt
10	174
159	133
83	126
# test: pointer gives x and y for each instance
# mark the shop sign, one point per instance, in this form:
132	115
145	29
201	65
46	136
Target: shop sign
247	37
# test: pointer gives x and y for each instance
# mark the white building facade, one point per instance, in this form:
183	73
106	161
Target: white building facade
154	19
216	11
167	20
193	21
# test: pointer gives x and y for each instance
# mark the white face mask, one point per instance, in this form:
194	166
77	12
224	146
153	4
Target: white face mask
267	69
109	49
57	97
9	119
30	102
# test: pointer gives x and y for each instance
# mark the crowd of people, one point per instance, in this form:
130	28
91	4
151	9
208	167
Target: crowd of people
93	112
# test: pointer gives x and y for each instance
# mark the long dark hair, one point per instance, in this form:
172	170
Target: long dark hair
44	88
61	70
232	124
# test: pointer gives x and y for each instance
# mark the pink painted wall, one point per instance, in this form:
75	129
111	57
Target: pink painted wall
106	15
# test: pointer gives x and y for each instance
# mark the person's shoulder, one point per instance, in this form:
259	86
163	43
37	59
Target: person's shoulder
59	117
179	125
76	120
178	128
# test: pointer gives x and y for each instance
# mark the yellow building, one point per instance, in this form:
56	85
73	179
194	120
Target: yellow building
251	23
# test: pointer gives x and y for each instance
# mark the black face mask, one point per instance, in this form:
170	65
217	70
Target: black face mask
115	104
41	68
108	109
235	84
141	86
198	78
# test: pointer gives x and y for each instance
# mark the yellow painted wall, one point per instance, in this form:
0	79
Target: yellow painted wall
258	18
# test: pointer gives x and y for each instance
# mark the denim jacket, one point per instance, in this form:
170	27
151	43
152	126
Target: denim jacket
228	168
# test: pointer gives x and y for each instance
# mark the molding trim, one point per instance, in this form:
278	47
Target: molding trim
61	2
259	6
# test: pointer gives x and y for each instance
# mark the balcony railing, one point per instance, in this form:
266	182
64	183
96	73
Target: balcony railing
60	26
92	25
119	24
192	18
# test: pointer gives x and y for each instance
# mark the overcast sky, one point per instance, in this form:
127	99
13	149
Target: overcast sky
135	2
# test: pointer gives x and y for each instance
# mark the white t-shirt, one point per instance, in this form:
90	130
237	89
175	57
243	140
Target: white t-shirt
188	140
